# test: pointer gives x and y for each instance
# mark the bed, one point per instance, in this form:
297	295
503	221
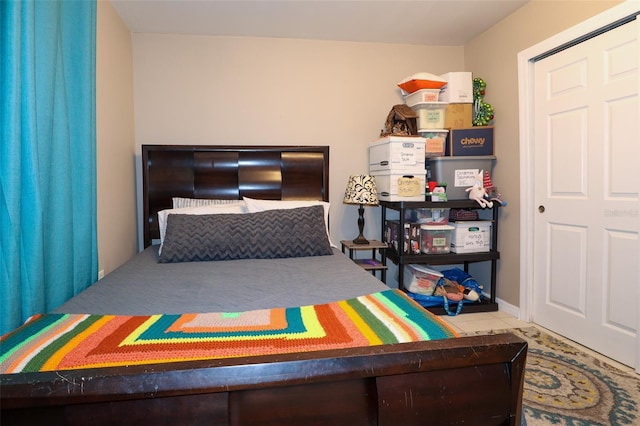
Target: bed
473	380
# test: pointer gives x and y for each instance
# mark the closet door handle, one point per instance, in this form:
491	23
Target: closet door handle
541	209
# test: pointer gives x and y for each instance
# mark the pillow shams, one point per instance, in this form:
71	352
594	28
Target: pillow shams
257	205
180	202
262	235
210	209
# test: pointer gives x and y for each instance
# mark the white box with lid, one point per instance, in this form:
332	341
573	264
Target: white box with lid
459	88
400	186
397	153
473	236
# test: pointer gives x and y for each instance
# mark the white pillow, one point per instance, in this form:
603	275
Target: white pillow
237	208
179	202
255	205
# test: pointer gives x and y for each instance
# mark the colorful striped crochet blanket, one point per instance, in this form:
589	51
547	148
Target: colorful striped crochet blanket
72	341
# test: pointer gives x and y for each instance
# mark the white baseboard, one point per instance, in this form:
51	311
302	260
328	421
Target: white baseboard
508	308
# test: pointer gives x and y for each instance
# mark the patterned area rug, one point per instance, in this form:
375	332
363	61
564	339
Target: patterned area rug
566	386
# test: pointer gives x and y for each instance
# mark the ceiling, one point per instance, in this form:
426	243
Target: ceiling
426	22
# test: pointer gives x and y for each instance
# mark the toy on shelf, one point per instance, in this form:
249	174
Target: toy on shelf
437	191
478	193
492	191
482	111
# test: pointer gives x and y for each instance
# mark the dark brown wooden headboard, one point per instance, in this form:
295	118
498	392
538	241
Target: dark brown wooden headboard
229	172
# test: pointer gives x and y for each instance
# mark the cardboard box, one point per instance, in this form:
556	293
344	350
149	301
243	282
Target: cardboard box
459	173
400	186
458	116
471	236
471	141
404	153
459	88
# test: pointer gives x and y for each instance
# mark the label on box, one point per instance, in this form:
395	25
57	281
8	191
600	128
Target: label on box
404	157
409	187
474	240
439	241
465	177
435	145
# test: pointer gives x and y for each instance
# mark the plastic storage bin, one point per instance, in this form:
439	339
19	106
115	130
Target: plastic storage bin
429	216
420	96
419	279
459	173
435	239
435	142
430	115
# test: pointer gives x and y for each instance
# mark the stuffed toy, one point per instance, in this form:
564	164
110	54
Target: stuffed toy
492	191
450	289
454	291
478	193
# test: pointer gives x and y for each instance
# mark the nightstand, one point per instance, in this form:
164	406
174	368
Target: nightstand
371	264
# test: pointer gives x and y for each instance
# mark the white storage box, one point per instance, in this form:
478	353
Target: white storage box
459	173
430	115
399	186
459	88
423	95
404	153
471	236
435	142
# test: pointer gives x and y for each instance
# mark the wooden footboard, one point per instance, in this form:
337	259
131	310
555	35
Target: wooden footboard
470	380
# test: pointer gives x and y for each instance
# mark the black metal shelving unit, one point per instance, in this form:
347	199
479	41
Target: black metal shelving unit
465	259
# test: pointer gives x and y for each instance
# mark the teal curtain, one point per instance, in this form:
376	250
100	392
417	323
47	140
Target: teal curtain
48	247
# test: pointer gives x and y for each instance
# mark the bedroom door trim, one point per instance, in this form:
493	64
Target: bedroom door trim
526	62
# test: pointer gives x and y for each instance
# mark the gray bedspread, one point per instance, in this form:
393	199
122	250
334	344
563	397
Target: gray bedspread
143	286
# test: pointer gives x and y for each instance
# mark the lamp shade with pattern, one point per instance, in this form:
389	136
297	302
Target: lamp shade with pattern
361	189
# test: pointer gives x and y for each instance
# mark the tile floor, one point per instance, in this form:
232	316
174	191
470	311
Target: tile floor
485	321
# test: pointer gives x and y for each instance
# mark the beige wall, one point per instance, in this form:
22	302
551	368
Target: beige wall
233	90
493	57
117	228
219	90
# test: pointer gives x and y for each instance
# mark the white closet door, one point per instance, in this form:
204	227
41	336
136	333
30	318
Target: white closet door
587	183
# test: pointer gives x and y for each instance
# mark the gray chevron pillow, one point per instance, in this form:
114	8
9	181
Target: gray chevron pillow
263	235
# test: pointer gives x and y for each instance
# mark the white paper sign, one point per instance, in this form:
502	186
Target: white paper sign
405	156
474	240
465	177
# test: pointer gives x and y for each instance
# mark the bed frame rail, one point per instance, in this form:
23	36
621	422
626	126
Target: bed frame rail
443	382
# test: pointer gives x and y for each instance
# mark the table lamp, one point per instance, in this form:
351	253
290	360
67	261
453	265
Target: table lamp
361	190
